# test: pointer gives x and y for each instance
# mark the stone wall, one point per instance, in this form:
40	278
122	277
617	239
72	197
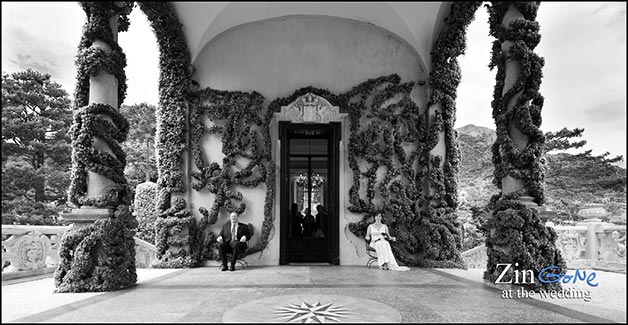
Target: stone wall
278	56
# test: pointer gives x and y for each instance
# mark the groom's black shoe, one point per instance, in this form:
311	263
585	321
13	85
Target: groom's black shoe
232	268
223	267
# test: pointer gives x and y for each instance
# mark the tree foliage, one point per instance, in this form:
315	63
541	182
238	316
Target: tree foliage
140	143
36	147
572	179
575	179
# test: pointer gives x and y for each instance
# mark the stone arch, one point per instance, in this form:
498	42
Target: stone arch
402	35
175	95
409	25
319	51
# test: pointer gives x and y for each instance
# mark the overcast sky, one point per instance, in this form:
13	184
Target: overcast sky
583	44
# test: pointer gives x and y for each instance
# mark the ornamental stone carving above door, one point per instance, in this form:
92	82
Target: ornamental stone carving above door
310	108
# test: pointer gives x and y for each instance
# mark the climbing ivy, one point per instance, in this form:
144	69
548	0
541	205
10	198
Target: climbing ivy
176	237
439	228
387	138
99	256
515	233
243	127
91	120
177	233
429	230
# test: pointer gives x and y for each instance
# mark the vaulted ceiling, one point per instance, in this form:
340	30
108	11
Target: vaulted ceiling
416	23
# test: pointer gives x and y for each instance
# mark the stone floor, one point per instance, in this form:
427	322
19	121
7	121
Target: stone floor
310	293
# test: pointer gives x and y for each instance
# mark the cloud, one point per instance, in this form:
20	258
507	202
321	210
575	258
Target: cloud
43	37
25	61
612	16
610	112
23	49
584	77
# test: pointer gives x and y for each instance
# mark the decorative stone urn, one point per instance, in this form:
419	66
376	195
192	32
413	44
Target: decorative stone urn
593	212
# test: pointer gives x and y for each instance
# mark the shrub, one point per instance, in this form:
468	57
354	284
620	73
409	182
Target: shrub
144	209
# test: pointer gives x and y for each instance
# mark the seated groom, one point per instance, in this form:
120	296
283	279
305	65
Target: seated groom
232	239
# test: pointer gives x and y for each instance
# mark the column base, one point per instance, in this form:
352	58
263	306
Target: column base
86	215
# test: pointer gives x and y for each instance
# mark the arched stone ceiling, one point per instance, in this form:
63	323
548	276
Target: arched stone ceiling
417	23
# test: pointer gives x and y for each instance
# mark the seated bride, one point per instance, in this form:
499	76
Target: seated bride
379	235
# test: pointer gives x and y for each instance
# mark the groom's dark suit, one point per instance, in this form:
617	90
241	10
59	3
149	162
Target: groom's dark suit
233	245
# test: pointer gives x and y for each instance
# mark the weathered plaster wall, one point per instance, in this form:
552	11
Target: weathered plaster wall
275	58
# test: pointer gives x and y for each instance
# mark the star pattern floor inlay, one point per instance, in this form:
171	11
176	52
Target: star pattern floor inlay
312	308
312	313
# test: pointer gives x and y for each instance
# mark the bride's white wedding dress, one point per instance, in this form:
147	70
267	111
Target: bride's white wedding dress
382	247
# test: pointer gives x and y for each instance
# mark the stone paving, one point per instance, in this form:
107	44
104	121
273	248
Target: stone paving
309	293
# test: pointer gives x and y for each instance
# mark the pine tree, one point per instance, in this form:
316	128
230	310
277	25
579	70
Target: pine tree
575	179
36	147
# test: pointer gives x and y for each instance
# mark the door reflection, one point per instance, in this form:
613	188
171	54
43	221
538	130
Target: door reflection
308	175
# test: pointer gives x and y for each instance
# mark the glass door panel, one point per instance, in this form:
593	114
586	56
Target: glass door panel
319	185
299	199
308	199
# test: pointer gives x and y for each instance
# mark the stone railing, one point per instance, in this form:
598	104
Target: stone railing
589	244
29	248
611	243
475	258
144	253
593	244
34	250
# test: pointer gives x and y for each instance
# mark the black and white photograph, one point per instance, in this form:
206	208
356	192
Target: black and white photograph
313	162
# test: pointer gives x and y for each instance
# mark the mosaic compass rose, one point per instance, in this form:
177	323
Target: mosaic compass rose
312	313
311	308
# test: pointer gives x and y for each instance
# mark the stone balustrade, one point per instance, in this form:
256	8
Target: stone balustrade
611	243
475	258
29	248
144	253
589	244
34	250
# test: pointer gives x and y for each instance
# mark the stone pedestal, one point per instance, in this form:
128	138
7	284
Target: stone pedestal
86	215
594	225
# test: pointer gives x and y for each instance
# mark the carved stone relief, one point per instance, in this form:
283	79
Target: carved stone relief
571	244
27	252
310	108
612	246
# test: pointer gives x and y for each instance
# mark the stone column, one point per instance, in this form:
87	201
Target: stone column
513	70
97	253
103	89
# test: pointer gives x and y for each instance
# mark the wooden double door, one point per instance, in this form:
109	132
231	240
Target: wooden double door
309	193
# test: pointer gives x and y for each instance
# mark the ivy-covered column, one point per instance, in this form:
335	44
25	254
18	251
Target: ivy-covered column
516	235
98	252
441	230
178	238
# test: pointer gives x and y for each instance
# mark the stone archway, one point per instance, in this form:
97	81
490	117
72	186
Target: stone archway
519	170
